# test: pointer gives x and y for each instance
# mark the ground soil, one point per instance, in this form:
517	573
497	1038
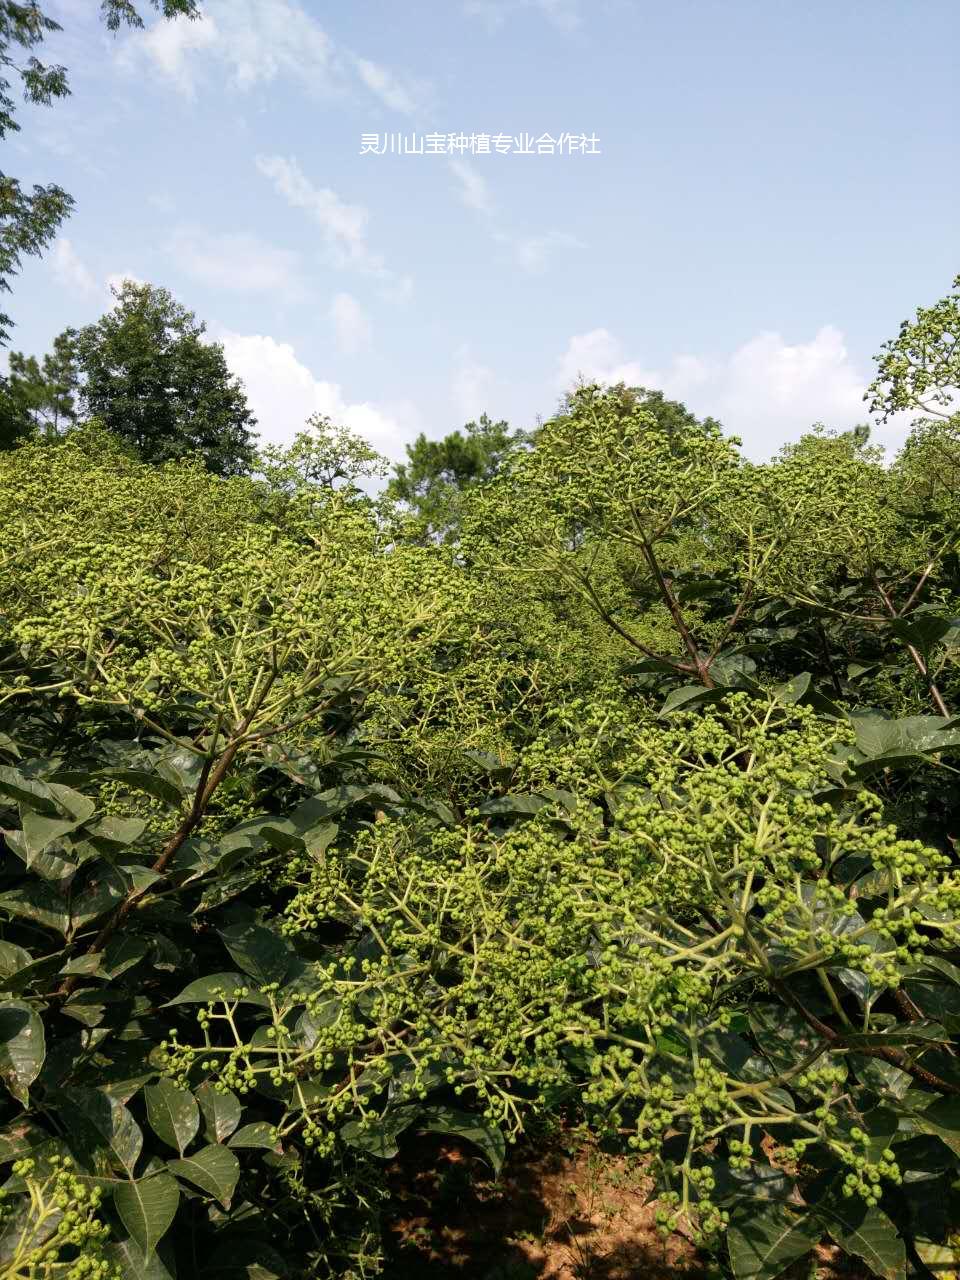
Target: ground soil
560	1210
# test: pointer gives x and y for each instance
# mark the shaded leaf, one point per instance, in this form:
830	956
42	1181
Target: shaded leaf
259	1134
22	1047
221	1111
219	986
461	1124
260	952
147	1208
173	1114
214	1170
765	1240
110	1120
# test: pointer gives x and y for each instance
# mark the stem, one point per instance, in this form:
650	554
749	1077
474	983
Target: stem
918	662
701	667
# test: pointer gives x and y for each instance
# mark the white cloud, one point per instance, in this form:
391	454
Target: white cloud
597	356
471	386
389	88
240	262
283	393
256	41
768	391
344	226
168	44
562	13
69	269
533	253
117	279
474	189
351	324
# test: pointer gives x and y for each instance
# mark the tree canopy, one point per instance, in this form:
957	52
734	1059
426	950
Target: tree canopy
29	220
145	371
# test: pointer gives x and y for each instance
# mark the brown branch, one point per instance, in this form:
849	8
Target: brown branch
836	1040
210	779
611	622
701	667
918	661
732	622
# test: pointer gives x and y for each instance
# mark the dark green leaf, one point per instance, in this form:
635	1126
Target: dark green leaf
765	1239
378	1135
263	954
147	1207
220	986
259	1134
866	1232
214	1170
22	1047
173	1114
110	1120
221	1111
461	1124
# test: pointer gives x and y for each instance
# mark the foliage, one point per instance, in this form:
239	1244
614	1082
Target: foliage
323	456
146	373
30	220
40	396
634	802
430	484
920	368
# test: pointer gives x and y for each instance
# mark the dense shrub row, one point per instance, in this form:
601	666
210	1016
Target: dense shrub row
630	798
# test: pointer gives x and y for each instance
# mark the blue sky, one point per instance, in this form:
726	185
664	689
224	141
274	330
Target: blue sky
776	189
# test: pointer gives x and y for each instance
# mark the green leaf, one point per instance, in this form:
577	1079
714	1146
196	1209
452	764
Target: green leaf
22	1047
513	806
214	1170
942	1119
920	1033
221	1112
260	952
205	990
173	1114
782	1034
12	959
939	1259
27	791
147	1207
40	831
181	767
118	830
40	902
151	783
922	630
461	1124
378	1135
260	1134
766	1239
132	1265
881	740
866	1231
109	1120
690	696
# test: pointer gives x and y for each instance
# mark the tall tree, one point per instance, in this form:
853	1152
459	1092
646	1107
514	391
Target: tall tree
29	219
437	472
41	395
146	372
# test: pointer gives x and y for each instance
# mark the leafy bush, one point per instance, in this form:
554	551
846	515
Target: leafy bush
634	804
